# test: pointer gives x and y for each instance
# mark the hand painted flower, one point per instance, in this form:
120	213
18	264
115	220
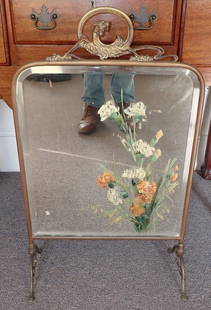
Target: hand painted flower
136	210
143	148
136	109
174	177
176	168
144	198
147	187
159	134
107	109
105	178
113	196
124	142
157	153
134	173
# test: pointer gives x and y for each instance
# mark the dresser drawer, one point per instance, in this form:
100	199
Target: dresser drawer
164	30
68	11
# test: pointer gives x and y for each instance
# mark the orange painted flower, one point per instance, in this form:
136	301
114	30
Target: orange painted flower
105	178
144	198
173	177
147	187
137	200
136	210
141	199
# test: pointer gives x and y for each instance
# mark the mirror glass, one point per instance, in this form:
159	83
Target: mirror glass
129	177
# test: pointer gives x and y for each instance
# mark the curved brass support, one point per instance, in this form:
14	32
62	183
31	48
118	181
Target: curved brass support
34	250
179	251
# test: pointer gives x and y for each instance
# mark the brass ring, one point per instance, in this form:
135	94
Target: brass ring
104	10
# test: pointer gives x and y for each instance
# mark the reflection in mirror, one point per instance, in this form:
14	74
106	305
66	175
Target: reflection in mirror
128	176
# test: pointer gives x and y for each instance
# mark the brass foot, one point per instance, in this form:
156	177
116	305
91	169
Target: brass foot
34	250
179	251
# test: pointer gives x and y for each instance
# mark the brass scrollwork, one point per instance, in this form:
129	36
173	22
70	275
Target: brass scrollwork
179	251
96	46
119	47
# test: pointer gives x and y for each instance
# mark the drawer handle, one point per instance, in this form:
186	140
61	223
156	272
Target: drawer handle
44	20
144	19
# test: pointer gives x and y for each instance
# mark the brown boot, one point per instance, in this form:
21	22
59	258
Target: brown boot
90	120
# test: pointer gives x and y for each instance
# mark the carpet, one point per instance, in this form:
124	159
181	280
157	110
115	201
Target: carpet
102	275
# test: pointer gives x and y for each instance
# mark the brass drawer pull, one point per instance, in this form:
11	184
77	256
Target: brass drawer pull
44	20
144	19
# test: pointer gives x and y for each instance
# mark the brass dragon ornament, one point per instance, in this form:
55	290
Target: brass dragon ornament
97	47
117	48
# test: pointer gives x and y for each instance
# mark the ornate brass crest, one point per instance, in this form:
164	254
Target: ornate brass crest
118	48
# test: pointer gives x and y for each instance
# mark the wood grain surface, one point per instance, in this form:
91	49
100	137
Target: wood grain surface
3	37
197	35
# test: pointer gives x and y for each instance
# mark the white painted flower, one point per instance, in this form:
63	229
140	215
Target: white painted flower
143	148
123	141
136	109
107	109
134	173
113	196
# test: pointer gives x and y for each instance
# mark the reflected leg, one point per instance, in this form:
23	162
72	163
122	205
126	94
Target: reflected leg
93	89
123	81
94	98
123	92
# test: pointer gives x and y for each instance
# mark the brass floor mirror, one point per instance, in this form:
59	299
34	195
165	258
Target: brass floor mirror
131	176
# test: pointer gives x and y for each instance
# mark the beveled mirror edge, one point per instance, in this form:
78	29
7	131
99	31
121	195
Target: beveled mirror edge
110	63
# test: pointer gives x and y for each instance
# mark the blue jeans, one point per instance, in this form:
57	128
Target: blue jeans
93	88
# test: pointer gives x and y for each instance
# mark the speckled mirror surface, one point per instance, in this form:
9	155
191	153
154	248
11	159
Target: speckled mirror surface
129	177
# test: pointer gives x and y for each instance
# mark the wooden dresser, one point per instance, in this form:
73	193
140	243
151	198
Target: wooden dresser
180	27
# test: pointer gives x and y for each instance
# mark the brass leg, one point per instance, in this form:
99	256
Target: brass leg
34	250
179	251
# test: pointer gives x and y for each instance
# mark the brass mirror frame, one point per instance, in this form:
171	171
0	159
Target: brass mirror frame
137	61
179	248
